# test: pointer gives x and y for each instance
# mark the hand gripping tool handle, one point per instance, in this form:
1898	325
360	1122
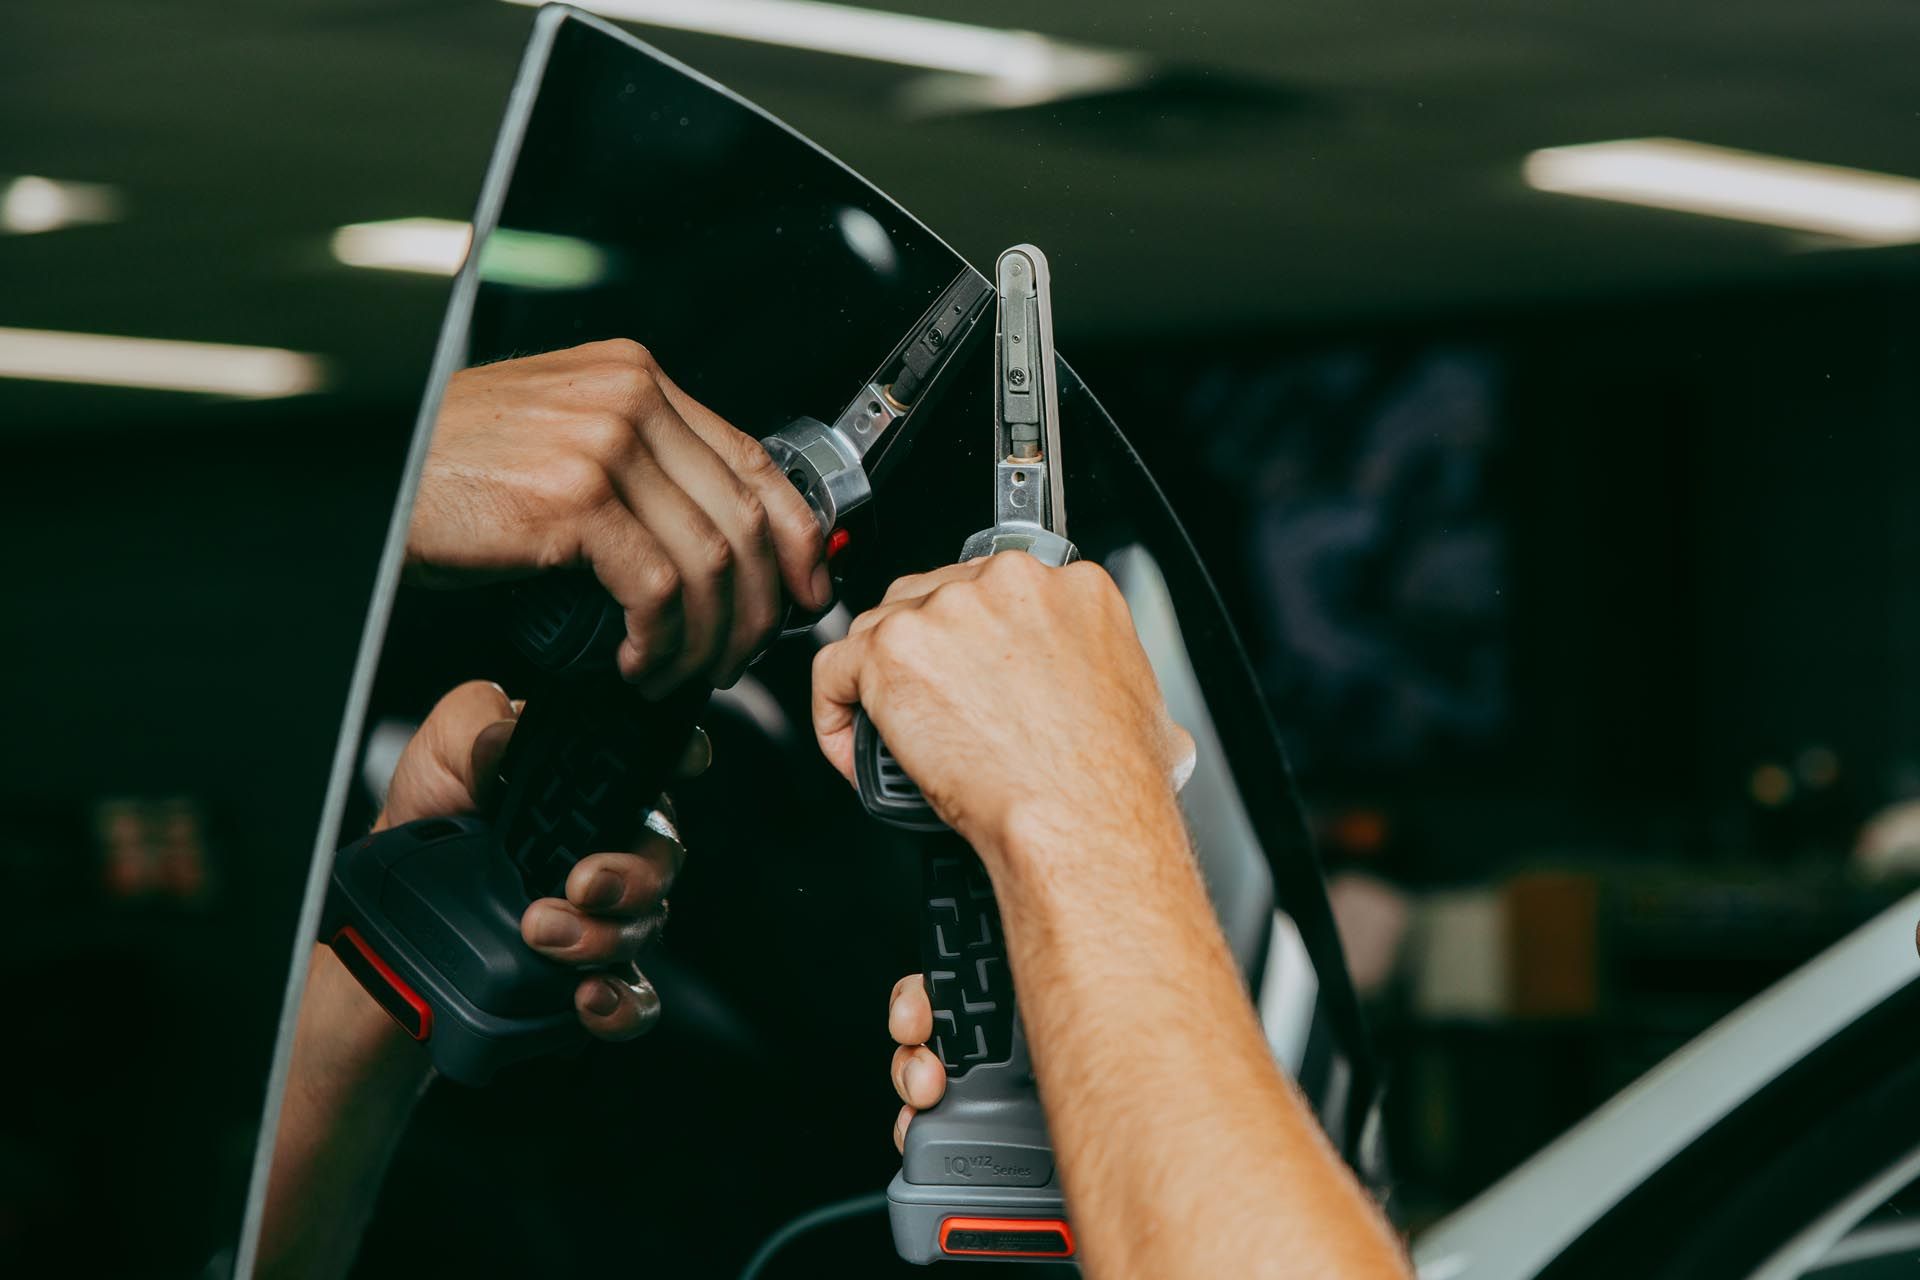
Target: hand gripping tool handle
977	1178
427	915
1029	503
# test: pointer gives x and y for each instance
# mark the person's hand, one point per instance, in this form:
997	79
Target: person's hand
615	902
918	1077
1011	692
593	457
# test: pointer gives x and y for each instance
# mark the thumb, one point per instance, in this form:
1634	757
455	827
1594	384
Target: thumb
437	773
483	768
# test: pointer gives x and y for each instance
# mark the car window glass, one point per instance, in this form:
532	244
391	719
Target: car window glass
768	282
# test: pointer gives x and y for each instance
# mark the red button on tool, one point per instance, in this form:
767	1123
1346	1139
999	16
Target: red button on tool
1007	1237
837	542
414	1015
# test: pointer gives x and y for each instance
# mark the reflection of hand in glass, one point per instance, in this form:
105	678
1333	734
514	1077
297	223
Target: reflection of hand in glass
354	1074
592	456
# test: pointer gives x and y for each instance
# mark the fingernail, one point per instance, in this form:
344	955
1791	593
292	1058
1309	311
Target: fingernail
637	933
822	586
698	755
919	1076
602	998
659	820
556	929
603	889
646	1000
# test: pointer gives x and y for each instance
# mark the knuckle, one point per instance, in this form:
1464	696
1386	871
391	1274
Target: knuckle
899	638
1089	581
575	481
1087	576
952	598
1009	566
755	524
1089	572
715	555
629	353
634	380
606	435
659	583
749	459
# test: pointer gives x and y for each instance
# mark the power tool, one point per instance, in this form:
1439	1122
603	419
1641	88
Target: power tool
977	1178
426	915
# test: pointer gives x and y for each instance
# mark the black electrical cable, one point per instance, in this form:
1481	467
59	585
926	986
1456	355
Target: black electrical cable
825	1215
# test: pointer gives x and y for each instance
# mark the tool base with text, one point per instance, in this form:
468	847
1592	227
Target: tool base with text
1000	1224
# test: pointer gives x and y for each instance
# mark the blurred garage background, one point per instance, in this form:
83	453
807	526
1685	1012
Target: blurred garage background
1538	383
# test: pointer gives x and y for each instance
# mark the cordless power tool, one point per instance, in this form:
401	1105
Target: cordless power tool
977	1180
426	915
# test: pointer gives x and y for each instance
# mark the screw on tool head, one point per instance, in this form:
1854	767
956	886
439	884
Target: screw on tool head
1016	376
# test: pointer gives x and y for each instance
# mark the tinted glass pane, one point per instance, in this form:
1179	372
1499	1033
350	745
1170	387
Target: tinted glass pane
769	282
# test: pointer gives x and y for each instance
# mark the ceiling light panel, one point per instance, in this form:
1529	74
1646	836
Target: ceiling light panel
158	364
1692	177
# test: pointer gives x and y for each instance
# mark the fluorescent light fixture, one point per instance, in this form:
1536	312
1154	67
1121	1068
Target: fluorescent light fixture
1692	177
429	246
541	260
30	204
438	247
1019	68
158	364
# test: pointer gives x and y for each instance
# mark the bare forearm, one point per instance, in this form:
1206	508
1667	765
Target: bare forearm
1183	1149
351	1088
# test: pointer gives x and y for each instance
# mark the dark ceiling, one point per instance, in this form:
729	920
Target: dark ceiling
1302	166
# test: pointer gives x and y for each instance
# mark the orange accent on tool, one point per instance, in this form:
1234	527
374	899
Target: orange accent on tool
837	542
1007	1237
414	1015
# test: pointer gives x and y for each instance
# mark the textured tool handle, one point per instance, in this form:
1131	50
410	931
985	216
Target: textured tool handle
590	755
977	1178
587	761
963	954
885	789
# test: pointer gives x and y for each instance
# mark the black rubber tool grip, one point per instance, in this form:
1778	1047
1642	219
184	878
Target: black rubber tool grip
427	915
963	954
885	789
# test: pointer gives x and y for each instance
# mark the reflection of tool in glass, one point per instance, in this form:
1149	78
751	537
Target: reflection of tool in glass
828	464
427	915
977	1179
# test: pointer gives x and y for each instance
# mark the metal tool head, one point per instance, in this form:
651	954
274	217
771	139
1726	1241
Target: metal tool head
1026	404
913	369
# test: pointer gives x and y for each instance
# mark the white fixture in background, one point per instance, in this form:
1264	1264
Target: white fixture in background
438	247
430	246
1692	177
1004	68
30	204
158	364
